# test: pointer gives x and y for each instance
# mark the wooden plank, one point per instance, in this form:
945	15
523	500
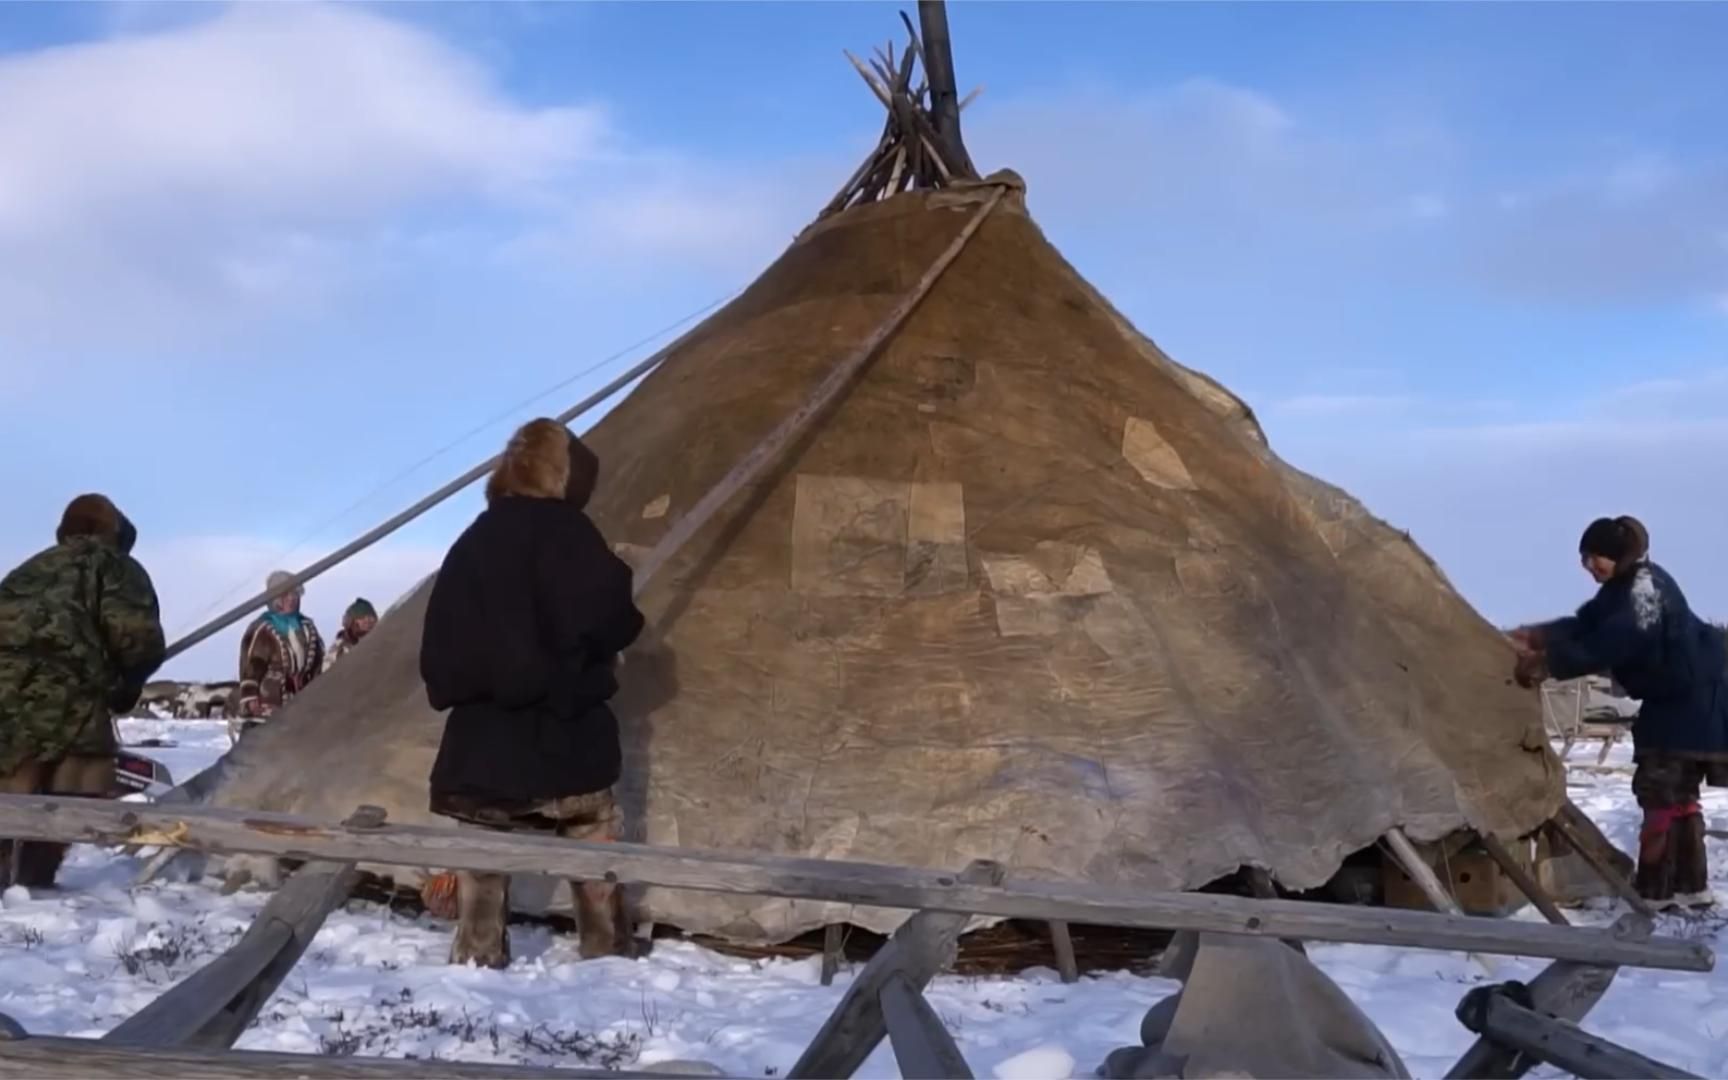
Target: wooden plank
1605	870
833	940
1566	1046
1565	989
768	451
923	1047
1429	882
1527	885
923	946
45	1058
1063	943
69	819
211	1008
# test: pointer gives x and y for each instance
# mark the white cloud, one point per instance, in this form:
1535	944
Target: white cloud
199	577
204	175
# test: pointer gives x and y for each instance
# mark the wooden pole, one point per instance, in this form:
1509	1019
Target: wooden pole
923	1047
833	941
66	819
768	451
1527	885
360	543
42	1057
1564	1044
944	99
1062	942
1426	880
1564	989
922	947
1603	870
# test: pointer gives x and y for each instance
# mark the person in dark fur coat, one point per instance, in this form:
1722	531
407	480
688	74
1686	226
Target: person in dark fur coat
523	630
1640	630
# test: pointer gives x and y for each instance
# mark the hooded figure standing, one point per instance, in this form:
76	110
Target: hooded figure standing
80	634
1639	630
523	630
281	653
360	619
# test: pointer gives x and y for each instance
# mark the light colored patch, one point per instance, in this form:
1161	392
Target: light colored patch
1207	574
1153	458
1115	625
936	539
631	553
853	536
1043	592
1646	599
657	508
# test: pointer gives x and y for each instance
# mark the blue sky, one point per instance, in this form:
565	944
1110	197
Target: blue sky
1469	261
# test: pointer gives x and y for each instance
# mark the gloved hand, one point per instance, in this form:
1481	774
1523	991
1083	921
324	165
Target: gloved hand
1529	638
1531	669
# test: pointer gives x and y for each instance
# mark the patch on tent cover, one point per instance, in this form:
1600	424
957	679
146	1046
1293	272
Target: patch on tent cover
657	508
630	553
1153	458
1047	590
855	536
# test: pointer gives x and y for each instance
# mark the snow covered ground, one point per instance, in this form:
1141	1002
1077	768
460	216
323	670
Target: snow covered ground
77	960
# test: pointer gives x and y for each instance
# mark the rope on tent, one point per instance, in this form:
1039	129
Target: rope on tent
464	437
366	540
764	453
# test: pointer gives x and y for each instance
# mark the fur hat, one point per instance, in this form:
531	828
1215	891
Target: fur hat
1623	540
359	609
90	515
544	461
280	578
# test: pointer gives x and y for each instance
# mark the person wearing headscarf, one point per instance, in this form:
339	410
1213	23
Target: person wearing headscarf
359	620
281	652
80	634
1640	631
523	631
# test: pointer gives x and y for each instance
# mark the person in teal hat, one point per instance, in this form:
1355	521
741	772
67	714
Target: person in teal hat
358	621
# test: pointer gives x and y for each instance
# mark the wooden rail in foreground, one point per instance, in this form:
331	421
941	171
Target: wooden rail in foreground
1498	1017
97	821
42	1057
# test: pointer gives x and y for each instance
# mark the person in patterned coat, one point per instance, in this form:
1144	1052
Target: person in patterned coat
80	634
281	652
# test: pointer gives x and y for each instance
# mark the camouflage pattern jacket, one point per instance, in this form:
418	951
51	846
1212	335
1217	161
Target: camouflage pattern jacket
276	664
80	633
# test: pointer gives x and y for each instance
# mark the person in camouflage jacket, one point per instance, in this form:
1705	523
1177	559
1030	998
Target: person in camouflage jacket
80	634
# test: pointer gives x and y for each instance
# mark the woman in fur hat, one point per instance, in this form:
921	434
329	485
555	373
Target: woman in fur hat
1640	631
281	652
80	634
523	630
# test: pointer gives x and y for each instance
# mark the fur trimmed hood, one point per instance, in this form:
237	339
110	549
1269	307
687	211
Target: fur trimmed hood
97	516
544	461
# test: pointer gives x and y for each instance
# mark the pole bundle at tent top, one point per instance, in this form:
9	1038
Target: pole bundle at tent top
920	147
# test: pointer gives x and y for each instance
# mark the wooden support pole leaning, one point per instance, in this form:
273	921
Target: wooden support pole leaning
767	452
923	1046
41	1057
211	1008
1597	863
924	945
66	819
1426	880
833	942
367	539
1527	885
1565	1045
1565	989
1062	942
